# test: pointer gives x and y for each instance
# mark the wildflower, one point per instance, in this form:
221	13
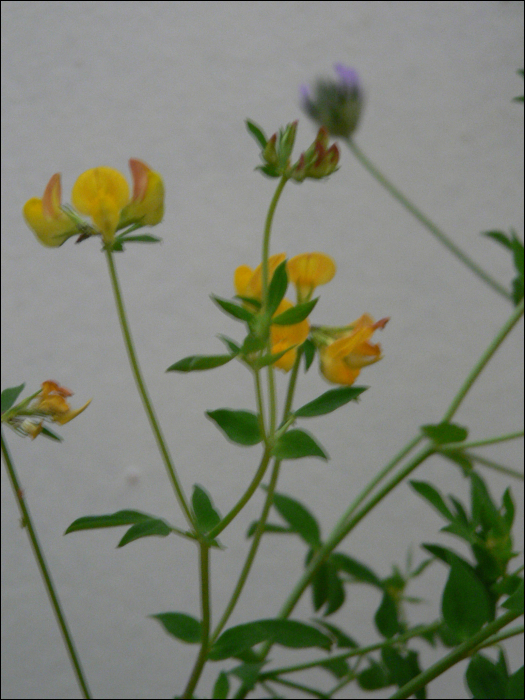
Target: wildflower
48	404
147	203
308	271
318	160
343	352
101	193
45	218
248	282
282	337
335	105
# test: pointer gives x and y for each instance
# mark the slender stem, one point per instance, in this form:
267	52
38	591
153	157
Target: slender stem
143	392
260	404
299	686
204	551
494	465
483	360
245	497
458	654
497	638
46	576
481	443
430	225
266	237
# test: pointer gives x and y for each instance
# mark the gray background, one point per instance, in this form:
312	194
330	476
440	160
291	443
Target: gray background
94	83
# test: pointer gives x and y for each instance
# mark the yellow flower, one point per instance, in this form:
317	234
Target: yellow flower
308	271
248	282
101	193
282	337
52	401
147	203
343	352
45	217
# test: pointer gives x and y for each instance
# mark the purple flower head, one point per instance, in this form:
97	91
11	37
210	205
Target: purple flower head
348	76
306	94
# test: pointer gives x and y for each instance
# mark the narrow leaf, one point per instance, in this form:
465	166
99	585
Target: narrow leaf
445	432
386	619
121	517
465	604
257	133
221	687
342	640
155	527
241	427
329	401
295	444
357	570
10	395
50	434
515	601
309	353
206	515
199	362
182	626
232	309
299	518
296	314
277	288
269	527
288	633
432	495
142	238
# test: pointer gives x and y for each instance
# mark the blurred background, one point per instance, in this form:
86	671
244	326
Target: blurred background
171	83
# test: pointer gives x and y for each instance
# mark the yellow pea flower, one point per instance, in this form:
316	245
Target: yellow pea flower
46	219
147	203
308	271
101	193
343	352
282	337
248	282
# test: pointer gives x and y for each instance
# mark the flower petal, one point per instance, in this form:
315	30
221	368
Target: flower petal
101	193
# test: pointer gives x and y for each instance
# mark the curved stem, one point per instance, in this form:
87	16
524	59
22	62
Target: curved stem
204	551
46	576
163	449
483	360
427	223
480	443
266	237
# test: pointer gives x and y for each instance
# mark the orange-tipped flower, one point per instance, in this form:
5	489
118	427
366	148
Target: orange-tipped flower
147	203
45	217
308	271
248	282
343	352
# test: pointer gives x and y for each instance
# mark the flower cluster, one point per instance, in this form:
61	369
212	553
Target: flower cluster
48	404
343	351
335	105
101	193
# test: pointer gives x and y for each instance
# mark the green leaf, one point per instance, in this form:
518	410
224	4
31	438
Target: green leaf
271	359
249	672
121	517
155	527
320	586
329	401
232	309
401	668
336	591
357	570
484	510
342	640
199	362
309	353
374	677
465	604
484	679
257	133
205	514
9	396
445	432
241	427
232	346
386	619
277	288
500	237
268	170
515	601
287	633
269	527
299	518
182	626
50	434
295	314
221	687
514	689
337	667
142	238
432	495
295	444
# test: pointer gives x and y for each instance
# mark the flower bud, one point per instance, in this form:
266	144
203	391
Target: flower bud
335	105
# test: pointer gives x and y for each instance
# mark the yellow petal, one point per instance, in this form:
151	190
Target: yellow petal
45	218
101	193
310	270
147	203
254	286
283	337
241	279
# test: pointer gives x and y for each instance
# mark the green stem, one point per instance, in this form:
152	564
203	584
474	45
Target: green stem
245	498
483	360
143	392
480	443
427	223
266	237
455	656
46	576
494	465
205	624
299	686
